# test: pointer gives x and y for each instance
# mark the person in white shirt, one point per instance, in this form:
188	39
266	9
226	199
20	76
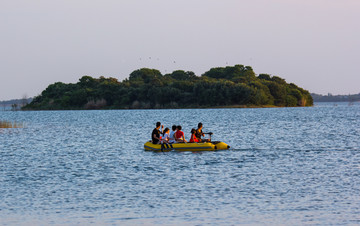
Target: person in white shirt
166	137
172	135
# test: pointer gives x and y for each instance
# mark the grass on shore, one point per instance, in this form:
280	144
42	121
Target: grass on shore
7	124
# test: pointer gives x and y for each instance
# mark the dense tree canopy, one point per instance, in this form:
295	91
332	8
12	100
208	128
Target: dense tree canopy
148	88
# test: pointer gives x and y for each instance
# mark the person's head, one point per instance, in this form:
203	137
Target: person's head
166	130
174	127
193	131
158	124
200	125
179	127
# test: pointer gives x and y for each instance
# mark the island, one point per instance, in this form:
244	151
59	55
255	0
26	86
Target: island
220	87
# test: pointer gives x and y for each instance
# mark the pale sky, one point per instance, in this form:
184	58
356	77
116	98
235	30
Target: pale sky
312	43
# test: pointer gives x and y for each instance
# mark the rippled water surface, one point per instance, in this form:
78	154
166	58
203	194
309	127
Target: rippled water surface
289	166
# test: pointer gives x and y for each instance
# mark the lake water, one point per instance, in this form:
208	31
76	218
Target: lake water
287	166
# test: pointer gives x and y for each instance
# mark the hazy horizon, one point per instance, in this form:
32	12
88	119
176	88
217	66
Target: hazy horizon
314	44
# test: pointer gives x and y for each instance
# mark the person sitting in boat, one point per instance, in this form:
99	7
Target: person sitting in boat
155	135
193	138
199	133
172	135
166	136
179	135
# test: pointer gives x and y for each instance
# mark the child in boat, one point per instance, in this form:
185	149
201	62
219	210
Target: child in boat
166	136
172	135
179	135
193	138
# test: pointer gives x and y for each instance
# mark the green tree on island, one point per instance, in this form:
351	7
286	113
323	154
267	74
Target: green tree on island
236	86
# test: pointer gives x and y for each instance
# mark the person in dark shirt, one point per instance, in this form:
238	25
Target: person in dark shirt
155	135
199	133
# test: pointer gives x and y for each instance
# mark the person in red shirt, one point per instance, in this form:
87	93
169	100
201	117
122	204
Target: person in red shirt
179	135
193	136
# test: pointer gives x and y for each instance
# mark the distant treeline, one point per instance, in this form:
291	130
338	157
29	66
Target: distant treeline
146	88
14	104
335	98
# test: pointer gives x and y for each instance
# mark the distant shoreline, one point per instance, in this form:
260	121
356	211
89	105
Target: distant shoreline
212	107
189	108
14	104
335	98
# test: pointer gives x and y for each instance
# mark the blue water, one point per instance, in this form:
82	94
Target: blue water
288	166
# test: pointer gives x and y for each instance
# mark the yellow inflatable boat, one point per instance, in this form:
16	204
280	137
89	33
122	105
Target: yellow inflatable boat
206	146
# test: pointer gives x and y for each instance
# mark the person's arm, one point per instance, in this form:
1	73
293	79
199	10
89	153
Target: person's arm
183	136
161	131
156	138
